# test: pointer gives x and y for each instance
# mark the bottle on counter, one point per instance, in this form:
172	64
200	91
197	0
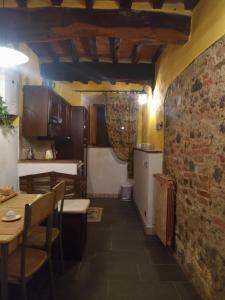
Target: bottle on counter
30	153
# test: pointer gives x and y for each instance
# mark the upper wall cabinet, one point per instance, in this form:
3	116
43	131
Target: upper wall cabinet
45	114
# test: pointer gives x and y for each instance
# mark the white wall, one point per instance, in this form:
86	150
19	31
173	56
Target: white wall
8	157
105	172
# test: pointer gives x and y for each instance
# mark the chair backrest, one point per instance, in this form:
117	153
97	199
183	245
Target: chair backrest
59	191
34	215
76	185
42	208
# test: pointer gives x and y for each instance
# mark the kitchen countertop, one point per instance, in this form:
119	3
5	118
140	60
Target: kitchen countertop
31	167
56	161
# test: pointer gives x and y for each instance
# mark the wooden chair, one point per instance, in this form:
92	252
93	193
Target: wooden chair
24	262
37	238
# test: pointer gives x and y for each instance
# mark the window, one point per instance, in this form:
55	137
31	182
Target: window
98	135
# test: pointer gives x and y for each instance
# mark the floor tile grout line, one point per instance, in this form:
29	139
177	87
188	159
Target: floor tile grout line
107	289
177	292
78	270
139	272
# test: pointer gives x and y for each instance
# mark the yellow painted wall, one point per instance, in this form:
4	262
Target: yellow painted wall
208	26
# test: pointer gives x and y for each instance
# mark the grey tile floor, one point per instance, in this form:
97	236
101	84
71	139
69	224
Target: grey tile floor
119	263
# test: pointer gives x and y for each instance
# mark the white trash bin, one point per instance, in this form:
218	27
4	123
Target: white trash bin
126	193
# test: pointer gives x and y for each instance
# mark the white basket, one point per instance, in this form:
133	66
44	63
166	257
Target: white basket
126	193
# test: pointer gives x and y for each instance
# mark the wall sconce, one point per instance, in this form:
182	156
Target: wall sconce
142	98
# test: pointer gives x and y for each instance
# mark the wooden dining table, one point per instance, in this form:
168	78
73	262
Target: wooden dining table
10	233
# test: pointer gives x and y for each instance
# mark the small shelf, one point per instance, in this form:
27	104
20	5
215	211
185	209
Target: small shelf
148	151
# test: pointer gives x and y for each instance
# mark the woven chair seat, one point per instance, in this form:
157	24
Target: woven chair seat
35	258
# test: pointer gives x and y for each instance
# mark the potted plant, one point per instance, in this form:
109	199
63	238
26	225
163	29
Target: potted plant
5	118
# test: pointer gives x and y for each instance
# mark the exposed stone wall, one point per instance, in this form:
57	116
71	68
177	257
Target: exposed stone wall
195	157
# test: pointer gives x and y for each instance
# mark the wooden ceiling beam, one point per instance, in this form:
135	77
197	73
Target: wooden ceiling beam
157	3
114	44
136	53
43	24
190	4
89	4
57	2
52	53
21	3
157	54
98	72
125	4
74	52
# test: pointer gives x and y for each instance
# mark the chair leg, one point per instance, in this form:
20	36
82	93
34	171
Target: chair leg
61	253
52	286
24	290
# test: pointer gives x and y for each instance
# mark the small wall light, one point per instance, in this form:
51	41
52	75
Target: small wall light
142	99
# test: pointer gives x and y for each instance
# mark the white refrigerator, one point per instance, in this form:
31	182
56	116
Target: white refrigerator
146	164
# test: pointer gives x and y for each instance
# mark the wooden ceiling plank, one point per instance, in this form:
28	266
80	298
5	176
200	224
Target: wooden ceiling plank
89	4
114	44
136	53
93	49
85	44
190	4
98	72
52	53
157	3
74	52
125	4
59	48
44	24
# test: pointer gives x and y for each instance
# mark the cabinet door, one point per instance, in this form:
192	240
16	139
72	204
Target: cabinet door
66	119
55	117
35	111
78	132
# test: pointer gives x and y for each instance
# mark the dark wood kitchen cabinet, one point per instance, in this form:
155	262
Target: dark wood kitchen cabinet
45	114
79	133
76	147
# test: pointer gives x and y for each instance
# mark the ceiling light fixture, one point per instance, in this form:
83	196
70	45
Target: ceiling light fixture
10	57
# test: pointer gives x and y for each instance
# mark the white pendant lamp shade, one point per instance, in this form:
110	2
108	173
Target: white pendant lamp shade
10	57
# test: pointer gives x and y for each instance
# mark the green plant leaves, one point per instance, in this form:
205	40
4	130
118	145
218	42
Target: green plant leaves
5	119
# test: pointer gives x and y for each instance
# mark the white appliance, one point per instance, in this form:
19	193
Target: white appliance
146	164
